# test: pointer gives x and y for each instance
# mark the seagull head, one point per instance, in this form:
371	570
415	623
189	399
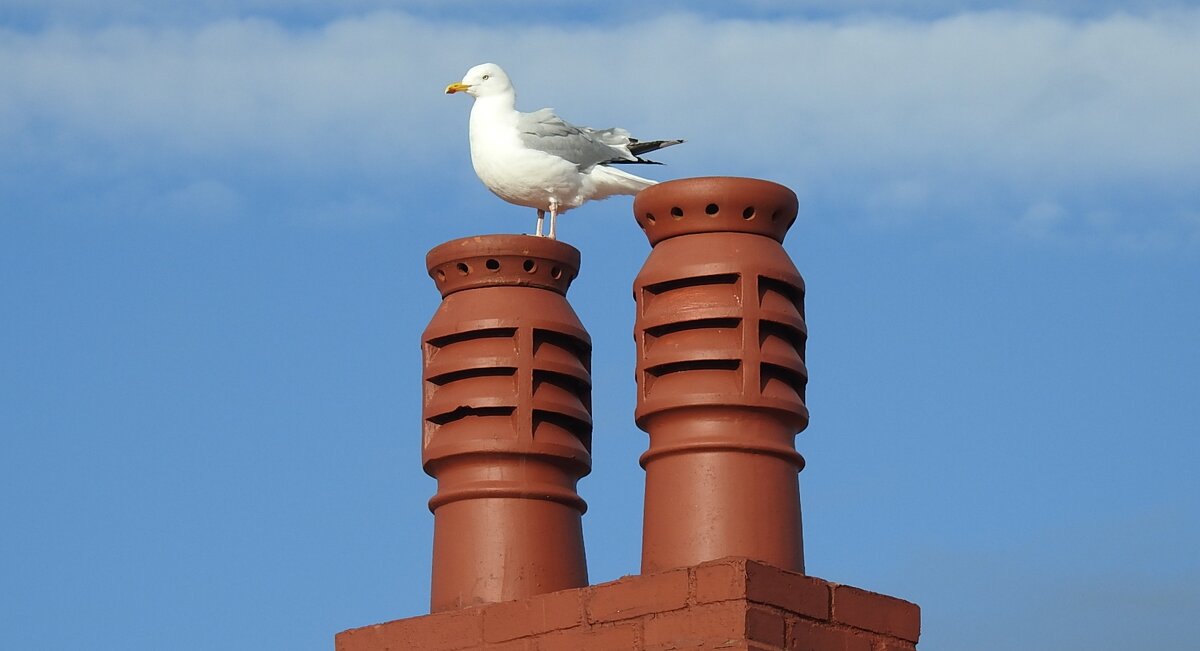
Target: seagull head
481	81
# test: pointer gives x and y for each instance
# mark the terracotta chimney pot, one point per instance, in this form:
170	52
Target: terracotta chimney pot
720	373
507	420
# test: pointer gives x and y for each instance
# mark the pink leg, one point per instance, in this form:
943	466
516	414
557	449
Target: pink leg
553	217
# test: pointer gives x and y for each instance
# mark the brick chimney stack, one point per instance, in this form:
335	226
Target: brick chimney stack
720	339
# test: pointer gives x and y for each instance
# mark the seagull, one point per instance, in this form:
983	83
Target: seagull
540	160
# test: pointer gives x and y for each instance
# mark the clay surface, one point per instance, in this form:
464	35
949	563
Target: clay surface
507	420
721	377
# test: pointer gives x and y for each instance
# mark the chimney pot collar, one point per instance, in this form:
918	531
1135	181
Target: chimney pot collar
712	204
491	260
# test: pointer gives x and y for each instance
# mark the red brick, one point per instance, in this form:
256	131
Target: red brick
539	614
805	635
637	596
712	625
766	626
800	594
877	612
524	644
893	644
720	580
737	578
729	624
601	638
447	631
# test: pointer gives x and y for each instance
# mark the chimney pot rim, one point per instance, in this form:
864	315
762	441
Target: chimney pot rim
712	204
502	260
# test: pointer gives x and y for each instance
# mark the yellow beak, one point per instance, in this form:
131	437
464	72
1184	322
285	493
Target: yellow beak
456	87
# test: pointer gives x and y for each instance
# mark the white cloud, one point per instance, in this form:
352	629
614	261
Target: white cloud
229	87
906	116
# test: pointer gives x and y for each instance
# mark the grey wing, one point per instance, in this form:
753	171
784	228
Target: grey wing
545	131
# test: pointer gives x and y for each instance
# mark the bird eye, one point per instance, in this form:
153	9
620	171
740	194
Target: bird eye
485	77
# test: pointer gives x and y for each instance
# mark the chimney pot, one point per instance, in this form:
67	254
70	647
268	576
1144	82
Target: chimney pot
507	420
720	372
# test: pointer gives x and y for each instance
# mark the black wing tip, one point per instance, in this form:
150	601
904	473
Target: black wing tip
637	148
626	161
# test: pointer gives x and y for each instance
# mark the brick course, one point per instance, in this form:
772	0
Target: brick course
540	614
876	612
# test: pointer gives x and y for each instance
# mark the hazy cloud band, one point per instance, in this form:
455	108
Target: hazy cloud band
1038	119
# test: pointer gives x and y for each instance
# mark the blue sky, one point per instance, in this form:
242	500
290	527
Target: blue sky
213	221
